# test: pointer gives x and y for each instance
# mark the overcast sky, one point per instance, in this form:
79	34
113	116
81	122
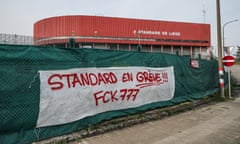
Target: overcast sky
18	16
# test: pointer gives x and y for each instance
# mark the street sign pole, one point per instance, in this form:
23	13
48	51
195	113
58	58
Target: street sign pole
229	61
229	82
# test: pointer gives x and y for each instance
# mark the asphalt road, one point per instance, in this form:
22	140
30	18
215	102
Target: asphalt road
213	124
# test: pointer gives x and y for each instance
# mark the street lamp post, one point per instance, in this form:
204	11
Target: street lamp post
224	31
228	53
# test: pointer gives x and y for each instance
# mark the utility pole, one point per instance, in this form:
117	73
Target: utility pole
219	39
204	14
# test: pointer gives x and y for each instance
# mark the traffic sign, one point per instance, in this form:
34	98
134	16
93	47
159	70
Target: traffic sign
228	61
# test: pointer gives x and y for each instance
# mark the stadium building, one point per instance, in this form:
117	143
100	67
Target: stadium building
187	39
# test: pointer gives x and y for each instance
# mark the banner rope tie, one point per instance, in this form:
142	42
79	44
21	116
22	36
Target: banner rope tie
34	78
37	133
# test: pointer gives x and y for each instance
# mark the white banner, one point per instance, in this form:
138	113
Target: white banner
73	94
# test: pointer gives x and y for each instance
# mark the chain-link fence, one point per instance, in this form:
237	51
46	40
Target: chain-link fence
20	85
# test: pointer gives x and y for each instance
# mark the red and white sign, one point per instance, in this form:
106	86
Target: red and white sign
70	95
194	63
228	61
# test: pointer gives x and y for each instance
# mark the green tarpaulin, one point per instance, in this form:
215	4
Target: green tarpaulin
20	84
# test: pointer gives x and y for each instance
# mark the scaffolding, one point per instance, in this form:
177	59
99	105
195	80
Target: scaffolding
16	39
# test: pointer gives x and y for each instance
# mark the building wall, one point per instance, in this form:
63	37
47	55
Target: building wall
123	34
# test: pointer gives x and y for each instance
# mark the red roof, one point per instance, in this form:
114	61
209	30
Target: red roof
123	30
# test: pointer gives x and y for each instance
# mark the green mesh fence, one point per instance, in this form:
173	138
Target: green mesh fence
20	85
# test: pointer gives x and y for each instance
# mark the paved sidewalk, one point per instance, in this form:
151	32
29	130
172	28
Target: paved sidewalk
214	124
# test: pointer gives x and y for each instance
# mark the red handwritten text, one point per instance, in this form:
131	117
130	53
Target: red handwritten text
57	81
114	96
148	77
